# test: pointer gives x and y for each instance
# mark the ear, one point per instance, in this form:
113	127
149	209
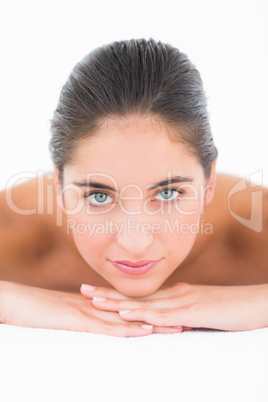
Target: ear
58	189
210	187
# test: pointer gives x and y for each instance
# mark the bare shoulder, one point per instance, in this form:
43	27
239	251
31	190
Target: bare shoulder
35	247
28	220
34	199
242	208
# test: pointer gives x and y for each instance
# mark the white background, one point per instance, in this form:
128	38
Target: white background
42	41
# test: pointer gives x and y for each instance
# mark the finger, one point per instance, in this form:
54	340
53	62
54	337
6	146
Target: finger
97	326
158	317
174	290
108	316
86	291
167	330
177	289
88	309
103	303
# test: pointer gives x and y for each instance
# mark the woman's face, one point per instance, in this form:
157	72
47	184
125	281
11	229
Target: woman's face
138	218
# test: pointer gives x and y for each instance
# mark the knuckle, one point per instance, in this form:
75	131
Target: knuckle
146	303
194	307
76	311
116	303
107	326
162	316
87	305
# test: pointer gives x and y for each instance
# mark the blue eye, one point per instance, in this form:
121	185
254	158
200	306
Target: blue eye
169	194
98	199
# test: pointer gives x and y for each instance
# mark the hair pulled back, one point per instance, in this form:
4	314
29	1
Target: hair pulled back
129	77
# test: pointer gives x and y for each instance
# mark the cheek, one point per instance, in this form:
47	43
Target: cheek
178	246
179	230
92	237
184	217
179	237
91	247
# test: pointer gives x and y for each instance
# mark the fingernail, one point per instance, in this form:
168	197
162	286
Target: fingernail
88	287
99	298
124	311
145	326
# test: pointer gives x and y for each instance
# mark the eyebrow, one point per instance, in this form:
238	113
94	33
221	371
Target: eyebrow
96	184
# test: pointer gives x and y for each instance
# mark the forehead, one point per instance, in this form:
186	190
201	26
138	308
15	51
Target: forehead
133	149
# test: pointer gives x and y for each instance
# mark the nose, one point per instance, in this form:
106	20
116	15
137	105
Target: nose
135	237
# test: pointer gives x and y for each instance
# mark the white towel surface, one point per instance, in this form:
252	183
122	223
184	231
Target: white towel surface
199	365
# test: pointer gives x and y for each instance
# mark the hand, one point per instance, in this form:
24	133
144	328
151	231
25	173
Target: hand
230	308
113	297
33	307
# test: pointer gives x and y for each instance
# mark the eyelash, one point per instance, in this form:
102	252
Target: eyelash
93	206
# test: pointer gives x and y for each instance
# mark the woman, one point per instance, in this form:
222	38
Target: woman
135	233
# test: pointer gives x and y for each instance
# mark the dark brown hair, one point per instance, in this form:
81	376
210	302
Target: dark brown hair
129	77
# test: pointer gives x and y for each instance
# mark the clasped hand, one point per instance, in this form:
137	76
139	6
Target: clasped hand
230	308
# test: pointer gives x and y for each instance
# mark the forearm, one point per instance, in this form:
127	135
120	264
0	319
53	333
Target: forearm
228	308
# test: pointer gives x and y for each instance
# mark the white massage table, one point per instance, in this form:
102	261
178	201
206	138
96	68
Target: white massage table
199	365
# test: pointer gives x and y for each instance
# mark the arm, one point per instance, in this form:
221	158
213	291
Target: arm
22	240
229	308
28	306
232	308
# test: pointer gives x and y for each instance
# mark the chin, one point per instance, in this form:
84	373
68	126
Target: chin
134	291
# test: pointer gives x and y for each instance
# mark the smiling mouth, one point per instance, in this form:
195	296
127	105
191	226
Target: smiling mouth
137	268
135	264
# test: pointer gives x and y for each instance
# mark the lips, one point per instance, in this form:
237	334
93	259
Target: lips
136	268
135	264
